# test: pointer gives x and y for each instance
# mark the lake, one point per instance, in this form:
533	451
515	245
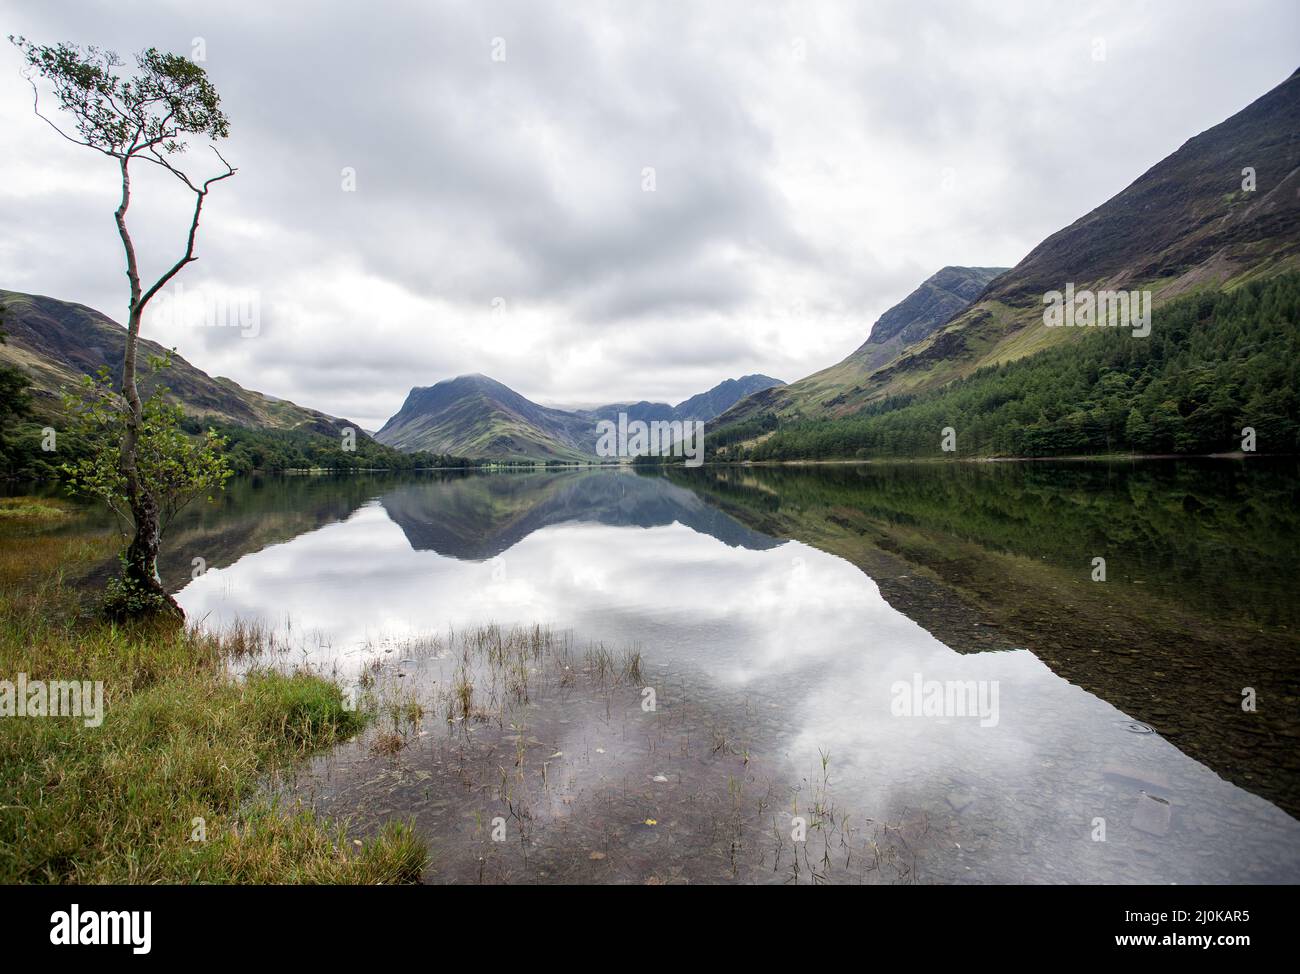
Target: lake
860	673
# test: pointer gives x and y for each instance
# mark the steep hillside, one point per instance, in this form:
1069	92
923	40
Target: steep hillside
1189	223
1186	224
831	391
1218	362
57	342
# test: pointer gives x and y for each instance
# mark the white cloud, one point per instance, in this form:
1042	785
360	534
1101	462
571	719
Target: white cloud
800	155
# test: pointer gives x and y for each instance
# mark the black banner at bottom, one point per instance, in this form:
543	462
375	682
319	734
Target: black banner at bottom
167	923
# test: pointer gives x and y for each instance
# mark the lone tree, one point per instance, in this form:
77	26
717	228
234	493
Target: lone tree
148	118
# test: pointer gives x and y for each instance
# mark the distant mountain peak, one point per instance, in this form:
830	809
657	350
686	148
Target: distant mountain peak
474	415
708	405
465	379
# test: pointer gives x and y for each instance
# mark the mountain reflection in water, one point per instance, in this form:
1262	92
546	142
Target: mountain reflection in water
793	602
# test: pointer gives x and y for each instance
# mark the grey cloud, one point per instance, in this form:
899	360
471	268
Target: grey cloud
522	180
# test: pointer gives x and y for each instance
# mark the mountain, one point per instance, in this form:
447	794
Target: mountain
704	406
937	299
828	392
477	417
474	416
1187	224
57	342
709	405
1214	364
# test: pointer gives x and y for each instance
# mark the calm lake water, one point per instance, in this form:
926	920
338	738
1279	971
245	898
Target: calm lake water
788	622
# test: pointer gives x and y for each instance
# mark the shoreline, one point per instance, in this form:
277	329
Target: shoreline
507	467
1107	457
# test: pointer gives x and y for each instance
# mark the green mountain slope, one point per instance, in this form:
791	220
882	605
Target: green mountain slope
52	344
474	416
57	342
1185	225
1214	364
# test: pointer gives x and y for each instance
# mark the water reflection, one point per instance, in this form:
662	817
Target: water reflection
472	518
793	643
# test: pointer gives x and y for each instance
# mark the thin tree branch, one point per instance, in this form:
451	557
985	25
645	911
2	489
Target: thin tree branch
36	109
200	195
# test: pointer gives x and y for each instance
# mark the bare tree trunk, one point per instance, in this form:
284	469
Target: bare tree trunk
142	553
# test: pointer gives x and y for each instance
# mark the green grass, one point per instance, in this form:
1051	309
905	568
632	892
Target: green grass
15	508
183	746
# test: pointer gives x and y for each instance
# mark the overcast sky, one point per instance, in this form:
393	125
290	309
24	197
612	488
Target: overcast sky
812	163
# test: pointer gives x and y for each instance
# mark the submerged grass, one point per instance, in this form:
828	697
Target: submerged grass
496	668
166	788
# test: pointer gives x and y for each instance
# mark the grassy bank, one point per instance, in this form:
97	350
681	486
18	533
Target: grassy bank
166	788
